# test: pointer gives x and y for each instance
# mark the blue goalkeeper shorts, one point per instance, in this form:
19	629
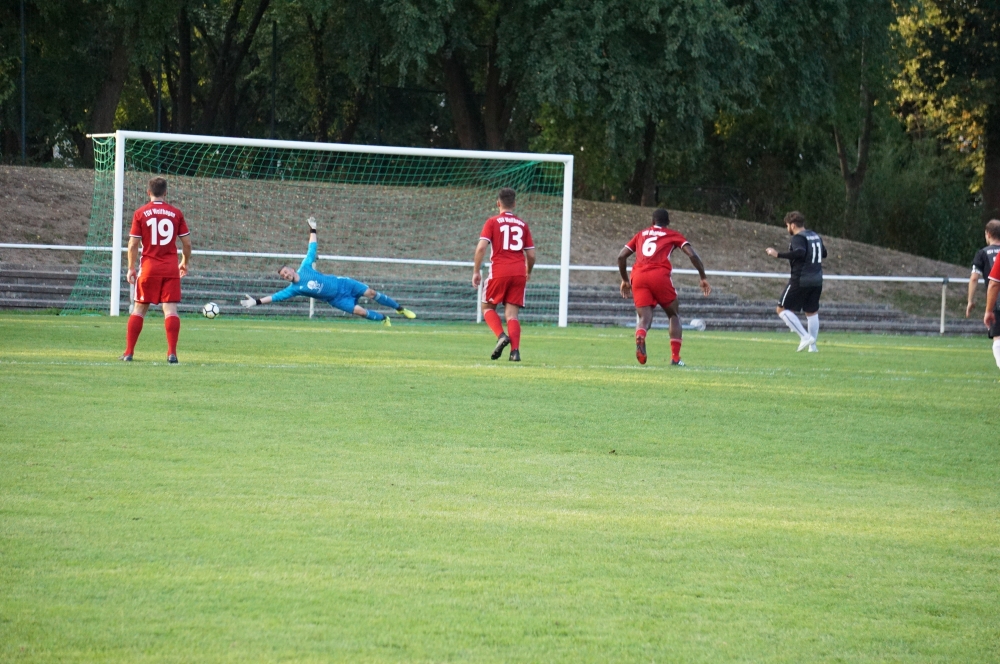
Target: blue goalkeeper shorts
348	293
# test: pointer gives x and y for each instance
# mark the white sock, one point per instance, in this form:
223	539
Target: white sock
813	323
996	351
793	323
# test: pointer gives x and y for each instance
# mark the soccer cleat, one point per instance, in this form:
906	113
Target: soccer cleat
813	349
805	343
171	359
501	344
125	358
406	313
515	356
386	322
677	363
640	350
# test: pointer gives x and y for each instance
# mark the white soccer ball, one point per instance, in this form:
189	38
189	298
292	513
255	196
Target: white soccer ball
697	324
210	310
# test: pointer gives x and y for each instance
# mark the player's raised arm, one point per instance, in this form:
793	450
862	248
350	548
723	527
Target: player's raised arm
626	286
706	289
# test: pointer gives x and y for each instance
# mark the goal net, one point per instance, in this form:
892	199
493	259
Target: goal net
403	220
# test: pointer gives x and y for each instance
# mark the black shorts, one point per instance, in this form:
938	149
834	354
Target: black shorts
798	298
994	330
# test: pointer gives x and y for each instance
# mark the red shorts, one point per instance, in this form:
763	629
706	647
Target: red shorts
504	290
156	290
653	288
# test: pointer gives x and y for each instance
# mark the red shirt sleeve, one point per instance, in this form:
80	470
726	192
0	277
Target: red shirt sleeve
487	232
136	230
182	227
995	272
529	243
633	244
679	240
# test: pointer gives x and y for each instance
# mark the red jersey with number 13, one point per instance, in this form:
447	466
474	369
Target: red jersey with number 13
158	225
509	238
652	248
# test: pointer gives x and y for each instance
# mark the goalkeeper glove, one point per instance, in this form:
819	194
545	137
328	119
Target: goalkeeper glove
312	223
249	301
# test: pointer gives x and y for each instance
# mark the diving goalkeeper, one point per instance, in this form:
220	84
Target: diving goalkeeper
339	292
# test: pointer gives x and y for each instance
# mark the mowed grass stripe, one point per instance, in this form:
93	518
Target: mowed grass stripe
317	491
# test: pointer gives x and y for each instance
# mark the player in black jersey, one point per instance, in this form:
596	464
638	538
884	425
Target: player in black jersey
981	266
805	255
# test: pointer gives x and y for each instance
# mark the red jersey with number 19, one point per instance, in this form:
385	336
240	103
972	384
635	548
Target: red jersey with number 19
653	247
158	225
509	238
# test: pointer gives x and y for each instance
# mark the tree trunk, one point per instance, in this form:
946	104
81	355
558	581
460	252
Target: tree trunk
229	62
183	103
991	172
102	117
854	179
497	105
321	82
642	186
461	102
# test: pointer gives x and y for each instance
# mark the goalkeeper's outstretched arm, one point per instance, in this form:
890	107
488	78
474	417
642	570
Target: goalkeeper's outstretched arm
287	273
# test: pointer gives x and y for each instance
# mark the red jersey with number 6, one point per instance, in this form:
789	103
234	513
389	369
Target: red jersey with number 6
509	238
158	225
652	248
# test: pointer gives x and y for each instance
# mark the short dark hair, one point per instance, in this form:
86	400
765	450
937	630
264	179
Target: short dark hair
993	228
795	218
661	217
507	196
158	187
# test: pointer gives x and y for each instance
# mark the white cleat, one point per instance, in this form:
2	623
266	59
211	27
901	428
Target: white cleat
805	343
813	349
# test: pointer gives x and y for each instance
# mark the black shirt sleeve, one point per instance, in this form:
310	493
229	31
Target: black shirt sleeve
798	248
979	263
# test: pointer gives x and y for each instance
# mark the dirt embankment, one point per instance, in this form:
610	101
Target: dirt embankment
52	206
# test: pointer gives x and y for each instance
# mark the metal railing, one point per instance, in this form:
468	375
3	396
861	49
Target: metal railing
944	281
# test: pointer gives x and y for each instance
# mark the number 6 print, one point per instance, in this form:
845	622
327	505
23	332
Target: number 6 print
649	247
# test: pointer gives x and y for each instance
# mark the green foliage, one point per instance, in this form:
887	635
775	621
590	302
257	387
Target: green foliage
951	73
914	200
736	95
304	491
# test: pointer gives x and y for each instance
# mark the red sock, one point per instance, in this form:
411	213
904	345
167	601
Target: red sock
493	320
514	326
640	334
134	328
172	324
675	349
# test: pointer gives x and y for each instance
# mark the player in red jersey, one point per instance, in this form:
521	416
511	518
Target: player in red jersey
157	226
990	319
651	284
512	256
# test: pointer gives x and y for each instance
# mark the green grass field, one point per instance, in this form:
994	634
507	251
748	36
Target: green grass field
317	491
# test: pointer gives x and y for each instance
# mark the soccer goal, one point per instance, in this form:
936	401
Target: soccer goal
403	220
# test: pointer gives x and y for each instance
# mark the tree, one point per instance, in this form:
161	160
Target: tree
652	73
951	80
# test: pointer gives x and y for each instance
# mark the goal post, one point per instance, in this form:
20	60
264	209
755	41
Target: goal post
405	220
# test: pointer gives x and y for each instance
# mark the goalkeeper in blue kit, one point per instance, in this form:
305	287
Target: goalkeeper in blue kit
339	292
